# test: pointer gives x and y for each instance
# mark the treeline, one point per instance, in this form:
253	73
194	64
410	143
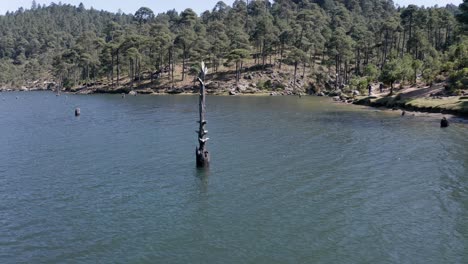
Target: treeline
346	41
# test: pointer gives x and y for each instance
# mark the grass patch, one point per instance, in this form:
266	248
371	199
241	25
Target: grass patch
453	104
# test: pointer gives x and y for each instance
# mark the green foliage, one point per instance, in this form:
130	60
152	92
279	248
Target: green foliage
398	69
360	84
431	68
459	79
238	55
264	85
372	73
458	53
296	56
75	45
463	15
144	15
416	66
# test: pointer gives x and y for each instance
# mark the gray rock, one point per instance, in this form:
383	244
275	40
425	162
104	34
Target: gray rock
241	88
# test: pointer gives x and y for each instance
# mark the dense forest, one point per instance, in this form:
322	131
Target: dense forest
347	42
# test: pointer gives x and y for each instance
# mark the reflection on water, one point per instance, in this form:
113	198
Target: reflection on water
292	180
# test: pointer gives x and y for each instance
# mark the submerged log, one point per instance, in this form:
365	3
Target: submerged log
202	154
444	122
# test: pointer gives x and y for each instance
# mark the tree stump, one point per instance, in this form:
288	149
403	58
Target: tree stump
444	122
202	154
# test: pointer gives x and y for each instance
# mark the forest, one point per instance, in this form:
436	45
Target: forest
338	42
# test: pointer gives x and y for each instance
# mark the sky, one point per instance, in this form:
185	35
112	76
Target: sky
159	6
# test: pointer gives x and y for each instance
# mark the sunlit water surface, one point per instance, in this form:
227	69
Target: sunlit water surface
293	180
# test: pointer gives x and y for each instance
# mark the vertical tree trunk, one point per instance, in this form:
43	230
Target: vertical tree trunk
312	59
139	71
346	72
263	54
403	43
240	68
118	68
323	56
171	66
358	62
410	33
183	65
295	72
304	70
281	55
237	73
112	68
384	58
202	154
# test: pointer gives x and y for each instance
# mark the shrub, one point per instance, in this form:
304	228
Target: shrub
359	84
458	80
261	85
372	72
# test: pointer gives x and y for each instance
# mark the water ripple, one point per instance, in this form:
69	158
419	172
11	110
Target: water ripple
292	181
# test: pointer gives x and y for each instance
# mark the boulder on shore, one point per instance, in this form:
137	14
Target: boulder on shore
133	93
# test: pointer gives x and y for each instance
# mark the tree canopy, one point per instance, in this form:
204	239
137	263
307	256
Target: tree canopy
75	45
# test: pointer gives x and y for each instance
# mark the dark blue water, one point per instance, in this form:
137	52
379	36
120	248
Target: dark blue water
292	181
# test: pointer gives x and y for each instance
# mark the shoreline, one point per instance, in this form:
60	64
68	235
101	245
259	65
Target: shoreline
386	104
456	106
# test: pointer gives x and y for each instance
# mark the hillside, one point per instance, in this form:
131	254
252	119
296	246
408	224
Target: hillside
285	46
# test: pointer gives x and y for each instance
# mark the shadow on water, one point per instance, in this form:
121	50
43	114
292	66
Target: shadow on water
202	176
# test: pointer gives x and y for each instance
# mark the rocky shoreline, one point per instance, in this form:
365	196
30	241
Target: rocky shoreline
427	100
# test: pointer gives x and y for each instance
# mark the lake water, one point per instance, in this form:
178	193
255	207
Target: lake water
293	180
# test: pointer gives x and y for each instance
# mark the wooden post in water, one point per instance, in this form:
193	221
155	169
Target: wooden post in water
202	154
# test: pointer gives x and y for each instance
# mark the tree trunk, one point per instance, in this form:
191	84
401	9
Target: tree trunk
118	68
112	68
240	69
410	33
237	73
281	55
295	72
303	70
171	66
403	43
202	154
346	72
263	54
139	71
183	66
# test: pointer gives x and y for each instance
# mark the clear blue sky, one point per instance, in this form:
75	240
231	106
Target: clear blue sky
130	6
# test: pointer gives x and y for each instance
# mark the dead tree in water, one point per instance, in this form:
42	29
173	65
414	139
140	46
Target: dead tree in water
202	154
